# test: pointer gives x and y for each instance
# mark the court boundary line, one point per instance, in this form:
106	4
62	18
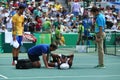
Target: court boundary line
73	64
54	77
4	77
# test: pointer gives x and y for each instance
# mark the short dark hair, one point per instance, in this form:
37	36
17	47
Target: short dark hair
94	9
54	45
22	6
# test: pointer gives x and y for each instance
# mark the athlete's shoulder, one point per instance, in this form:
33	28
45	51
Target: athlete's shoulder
15	15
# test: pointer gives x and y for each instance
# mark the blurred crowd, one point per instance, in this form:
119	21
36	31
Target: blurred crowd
47	16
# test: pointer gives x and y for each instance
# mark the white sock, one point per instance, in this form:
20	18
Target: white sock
56	64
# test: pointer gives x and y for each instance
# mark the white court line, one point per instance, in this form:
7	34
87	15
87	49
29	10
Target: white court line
6	66
73	64
4	77
54	77
95	64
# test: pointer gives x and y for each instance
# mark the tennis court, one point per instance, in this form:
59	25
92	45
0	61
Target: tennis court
82	69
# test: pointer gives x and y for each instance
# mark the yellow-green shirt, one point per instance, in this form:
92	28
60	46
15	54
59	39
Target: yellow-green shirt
18	21
80	29
58	6
57	33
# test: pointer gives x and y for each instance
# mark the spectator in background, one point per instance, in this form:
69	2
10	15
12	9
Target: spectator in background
47	26
80	33
17	31
118	24
30	7
56	22
76	8
1	7
57	35
62	40
15	3
58	6
37	12
4	3
9	23
13	11
38	24
3	28
114	9
114	27
33	3
87	23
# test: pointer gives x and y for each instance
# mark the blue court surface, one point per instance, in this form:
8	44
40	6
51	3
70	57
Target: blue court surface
82	69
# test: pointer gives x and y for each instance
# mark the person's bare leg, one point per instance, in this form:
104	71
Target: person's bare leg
14	55
14	51
70	57
17	52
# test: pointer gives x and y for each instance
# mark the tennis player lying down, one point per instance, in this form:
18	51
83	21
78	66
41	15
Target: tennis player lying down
61	61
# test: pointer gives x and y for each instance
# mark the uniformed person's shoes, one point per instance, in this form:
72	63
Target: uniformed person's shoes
100	66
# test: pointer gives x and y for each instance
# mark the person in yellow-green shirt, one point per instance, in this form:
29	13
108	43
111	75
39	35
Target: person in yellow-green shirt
80	33
47	27
58	6
17	31
62	40
57	35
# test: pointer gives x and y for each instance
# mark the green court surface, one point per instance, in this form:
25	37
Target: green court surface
82	69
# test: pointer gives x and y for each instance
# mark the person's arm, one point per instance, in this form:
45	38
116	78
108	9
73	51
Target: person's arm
13	31
100	25
100	31
45	60
23	23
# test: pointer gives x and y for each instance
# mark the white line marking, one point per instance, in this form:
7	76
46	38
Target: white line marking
6	66
3	76
54	77
3	66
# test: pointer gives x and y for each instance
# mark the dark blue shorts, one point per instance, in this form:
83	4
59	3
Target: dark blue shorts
19	39
33	58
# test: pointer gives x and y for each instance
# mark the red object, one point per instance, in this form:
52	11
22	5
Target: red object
39	23
76	0
13	63
30	37
30	8
15	5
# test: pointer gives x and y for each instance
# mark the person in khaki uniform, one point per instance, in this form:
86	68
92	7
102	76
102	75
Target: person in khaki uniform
100	23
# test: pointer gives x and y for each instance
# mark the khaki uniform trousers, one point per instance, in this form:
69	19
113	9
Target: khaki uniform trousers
100	48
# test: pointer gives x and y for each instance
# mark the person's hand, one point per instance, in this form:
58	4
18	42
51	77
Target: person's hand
50	67
97	40
14	38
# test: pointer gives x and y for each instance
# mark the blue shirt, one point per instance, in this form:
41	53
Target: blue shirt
100	22
13	12
87	23
38	50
